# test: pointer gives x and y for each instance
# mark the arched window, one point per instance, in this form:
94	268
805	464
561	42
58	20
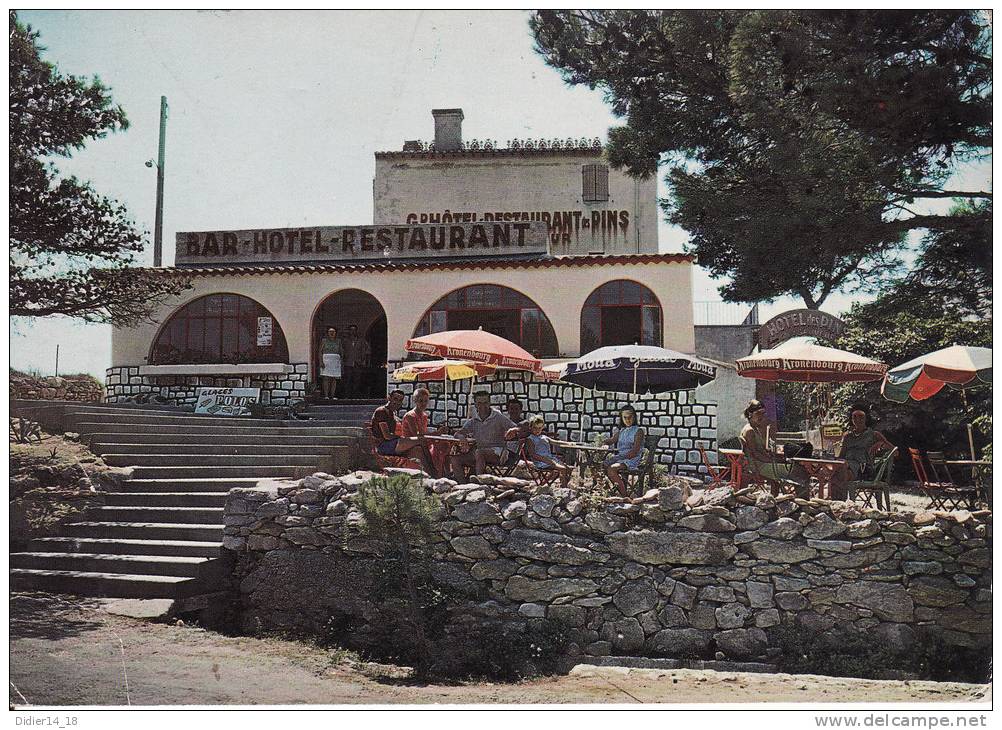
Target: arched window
620	313
220	328
496	309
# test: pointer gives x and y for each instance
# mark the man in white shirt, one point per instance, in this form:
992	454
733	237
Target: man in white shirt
487	430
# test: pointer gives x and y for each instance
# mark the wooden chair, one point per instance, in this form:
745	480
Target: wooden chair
635	478
933	490
955	495
879	486
719	475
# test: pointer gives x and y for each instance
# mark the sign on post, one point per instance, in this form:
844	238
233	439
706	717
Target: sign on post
226	401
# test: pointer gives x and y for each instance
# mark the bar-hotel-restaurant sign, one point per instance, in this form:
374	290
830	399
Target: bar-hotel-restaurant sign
361	243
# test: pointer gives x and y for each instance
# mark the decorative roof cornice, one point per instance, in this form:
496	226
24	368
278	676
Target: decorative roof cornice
493	264
488	148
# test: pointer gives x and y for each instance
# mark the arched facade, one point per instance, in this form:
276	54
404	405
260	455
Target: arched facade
220	328
495	308
621	312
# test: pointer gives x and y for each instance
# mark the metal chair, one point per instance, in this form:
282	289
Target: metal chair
510	462
933	490
542	476
956	495
719	475
873	489
635	478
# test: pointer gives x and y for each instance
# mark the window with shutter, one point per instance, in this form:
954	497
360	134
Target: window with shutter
594	183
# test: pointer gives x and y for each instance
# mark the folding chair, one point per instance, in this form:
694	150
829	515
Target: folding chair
510	461
543	477
934	491
873	489
635	478
957	495
720	475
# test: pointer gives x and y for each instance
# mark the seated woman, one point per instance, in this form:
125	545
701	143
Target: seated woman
858	447
414	425
765	461
628	440
860	444
539	452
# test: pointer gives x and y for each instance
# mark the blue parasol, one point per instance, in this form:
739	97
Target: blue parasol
638	369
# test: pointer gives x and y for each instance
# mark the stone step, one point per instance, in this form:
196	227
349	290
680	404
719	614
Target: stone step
182	485
110	585
189	419
189	515
187	567
197	452
241	461
274	439
215	472
189	432
165	499
146	530
125	546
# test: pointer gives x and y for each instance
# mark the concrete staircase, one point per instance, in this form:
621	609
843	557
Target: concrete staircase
160	536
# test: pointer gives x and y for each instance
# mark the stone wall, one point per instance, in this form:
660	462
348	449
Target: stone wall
125	383
79	388
716	574
682	421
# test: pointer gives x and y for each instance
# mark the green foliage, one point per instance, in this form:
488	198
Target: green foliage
845	652
795	140
397	509
70	247
506	652
894	337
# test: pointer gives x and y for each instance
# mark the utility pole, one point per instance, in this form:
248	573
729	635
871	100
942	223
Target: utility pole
158	234
57	361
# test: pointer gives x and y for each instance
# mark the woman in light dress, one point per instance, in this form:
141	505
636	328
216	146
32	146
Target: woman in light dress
331	353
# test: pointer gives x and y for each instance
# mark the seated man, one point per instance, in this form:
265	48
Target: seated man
517	433
383	427
487	429
763	460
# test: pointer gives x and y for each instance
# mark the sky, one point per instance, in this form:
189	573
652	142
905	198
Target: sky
275	116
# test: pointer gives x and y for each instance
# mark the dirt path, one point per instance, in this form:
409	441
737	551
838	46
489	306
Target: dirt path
69	651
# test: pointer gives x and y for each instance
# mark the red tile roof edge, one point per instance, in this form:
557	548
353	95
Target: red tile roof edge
573	261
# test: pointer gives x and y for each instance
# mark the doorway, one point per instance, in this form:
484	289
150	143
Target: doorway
342	310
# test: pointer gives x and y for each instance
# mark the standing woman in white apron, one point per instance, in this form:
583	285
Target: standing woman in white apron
330	353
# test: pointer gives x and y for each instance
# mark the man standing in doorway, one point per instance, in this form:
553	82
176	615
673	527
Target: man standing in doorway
356	357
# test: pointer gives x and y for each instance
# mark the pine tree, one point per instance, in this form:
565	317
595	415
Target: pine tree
71	249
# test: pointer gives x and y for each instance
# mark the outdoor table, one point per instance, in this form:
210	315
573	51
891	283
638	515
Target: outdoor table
593	458
736	461
979	470
441	447
823	470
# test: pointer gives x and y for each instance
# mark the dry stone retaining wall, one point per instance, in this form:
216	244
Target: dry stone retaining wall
125	383
658	578
78	388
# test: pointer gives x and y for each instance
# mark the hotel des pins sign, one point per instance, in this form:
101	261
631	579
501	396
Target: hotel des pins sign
343	244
